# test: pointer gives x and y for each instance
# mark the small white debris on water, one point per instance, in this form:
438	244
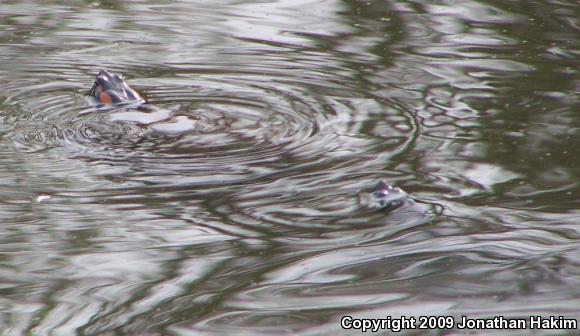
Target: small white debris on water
42	198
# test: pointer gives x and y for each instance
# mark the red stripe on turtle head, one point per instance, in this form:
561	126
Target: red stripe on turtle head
104	97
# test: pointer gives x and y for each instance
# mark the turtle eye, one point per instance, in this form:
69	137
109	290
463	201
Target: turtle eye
118	78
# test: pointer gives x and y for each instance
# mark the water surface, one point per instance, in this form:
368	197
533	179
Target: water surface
235	207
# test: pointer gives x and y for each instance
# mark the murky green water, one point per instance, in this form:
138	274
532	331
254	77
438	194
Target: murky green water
234	208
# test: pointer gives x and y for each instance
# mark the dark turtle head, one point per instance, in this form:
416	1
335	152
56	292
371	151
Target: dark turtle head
111	89
387	197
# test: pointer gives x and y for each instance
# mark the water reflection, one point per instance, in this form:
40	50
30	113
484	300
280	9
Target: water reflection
232	205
